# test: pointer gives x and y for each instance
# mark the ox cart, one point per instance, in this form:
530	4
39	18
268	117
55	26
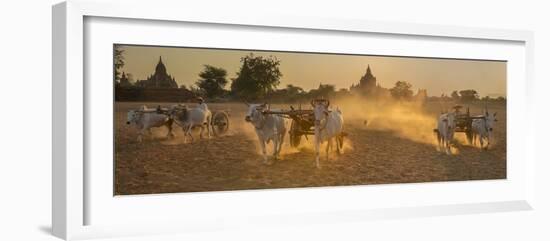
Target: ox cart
219	121
302	124
463	122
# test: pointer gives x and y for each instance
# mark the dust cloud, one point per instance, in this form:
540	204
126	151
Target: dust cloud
407	120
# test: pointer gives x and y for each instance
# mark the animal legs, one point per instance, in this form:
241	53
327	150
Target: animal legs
262	144
488	142
339	143
187	132
208	135
209	126
140	136
317	153
448	147
184	135
329	146
202	129
281	140
481	142
170	133
439	141
275	148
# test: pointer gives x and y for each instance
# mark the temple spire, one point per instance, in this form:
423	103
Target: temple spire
369	73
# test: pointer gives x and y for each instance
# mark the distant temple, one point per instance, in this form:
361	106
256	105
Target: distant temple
368	85
160	79
124	81
368	81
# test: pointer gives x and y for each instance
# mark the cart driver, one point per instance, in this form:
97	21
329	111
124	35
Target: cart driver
457	109
201	103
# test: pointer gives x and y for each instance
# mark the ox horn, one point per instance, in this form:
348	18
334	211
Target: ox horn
328	103
312	103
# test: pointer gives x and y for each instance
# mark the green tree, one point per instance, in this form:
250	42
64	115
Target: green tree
257	76
118	60
212	81
401	90
468	95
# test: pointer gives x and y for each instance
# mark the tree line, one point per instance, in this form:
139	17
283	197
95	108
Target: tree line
467	96
258	78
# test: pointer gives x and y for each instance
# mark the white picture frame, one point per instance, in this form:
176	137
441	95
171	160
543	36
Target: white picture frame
70	188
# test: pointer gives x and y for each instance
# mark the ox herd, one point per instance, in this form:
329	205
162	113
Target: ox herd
187	118
328	124
328	127
270	127
481	129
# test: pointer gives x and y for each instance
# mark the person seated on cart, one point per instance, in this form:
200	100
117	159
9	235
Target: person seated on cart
463	120
201	103
457	109
160	110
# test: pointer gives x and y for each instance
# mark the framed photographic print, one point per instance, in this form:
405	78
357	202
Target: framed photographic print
210	122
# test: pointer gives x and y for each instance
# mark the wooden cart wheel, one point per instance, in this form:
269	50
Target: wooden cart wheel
294	134
220	123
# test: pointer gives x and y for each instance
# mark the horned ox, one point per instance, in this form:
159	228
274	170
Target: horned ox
446	125
189	118
328	125
483	128
145	119
268	127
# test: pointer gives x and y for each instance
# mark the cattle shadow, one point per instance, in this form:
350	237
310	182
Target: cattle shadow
384	156
469	163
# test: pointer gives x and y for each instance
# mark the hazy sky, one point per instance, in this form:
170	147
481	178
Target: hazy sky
308	70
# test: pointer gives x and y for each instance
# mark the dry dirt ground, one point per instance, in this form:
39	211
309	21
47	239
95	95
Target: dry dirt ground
395	145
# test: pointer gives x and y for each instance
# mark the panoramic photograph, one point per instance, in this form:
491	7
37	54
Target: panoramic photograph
192	119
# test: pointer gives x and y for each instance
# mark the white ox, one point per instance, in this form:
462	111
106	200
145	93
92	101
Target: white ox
189	118
445	131
328	125
483	128
145	119
268	127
